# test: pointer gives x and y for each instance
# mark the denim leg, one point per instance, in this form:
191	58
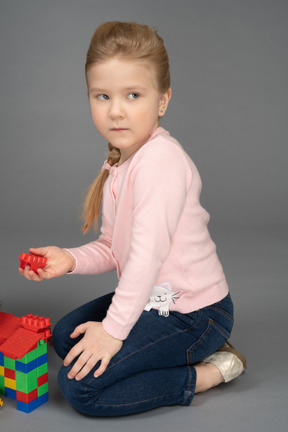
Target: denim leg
95	310
154	366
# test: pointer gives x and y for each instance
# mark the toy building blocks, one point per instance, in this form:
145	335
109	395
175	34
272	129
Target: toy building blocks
23	359
34	261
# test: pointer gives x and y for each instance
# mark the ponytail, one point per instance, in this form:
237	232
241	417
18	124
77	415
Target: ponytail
92	203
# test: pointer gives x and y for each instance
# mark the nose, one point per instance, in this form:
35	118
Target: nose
116	109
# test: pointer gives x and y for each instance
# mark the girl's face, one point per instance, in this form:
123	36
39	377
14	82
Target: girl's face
125	102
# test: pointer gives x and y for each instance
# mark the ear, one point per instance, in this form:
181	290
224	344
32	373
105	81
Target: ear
164	101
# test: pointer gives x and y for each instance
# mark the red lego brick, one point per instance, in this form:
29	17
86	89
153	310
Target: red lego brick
27	397
9	373
8	325
43	379
20	343
34	261
37	324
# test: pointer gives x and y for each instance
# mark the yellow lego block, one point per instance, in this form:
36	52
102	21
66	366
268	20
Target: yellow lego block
1	371
10	383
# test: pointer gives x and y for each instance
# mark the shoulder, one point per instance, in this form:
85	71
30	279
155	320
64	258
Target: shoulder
162	150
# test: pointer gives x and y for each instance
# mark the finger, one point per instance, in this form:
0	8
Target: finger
30	274
73	353
34	276
86	368
103	366
79	365
43	274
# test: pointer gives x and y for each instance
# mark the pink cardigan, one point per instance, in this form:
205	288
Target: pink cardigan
154	231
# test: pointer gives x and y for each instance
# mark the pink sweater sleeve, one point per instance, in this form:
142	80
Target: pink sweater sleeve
159	182
96	257
93	258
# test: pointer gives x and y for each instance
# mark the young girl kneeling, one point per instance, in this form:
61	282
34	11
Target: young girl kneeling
162	335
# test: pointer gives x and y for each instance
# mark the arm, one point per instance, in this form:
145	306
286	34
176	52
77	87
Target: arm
92	258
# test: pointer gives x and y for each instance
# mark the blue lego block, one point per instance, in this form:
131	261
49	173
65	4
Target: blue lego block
28	407
1	359
25	368
10	393
42	360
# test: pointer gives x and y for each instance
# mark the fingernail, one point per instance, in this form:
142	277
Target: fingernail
69	376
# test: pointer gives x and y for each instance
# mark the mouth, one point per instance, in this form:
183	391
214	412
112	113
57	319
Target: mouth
119	129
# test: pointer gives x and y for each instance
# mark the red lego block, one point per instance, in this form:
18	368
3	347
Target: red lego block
20	343
9	373
34	261
37	324
8	325
27	397
43	379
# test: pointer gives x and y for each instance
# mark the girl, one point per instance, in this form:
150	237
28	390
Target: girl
151	342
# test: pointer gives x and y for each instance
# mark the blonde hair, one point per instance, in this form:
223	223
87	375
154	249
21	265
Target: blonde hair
130	41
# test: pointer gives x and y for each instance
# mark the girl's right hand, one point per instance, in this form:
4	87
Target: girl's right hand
59	262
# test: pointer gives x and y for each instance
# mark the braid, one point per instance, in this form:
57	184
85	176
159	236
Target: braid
92	203
113	155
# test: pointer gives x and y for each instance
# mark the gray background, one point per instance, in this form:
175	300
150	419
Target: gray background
229	111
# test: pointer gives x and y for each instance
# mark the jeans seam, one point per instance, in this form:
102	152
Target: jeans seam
222	311
189	385
199	342
218	328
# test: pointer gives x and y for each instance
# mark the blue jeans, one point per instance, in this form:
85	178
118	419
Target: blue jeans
155	364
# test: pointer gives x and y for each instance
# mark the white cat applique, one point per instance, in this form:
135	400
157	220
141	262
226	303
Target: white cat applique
160	298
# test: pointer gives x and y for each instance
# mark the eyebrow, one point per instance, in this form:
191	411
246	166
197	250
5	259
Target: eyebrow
130	88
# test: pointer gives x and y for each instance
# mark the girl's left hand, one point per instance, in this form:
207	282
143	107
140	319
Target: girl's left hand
95	345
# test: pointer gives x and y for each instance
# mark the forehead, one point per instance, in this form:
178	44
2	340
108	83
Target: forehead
121	72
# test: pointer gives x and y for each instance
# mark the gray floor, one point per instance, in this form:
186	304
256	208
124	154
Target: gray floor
256	266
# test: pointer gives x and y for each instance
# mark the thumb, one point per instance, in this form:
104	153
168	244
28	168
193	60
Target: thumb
42	251
78	331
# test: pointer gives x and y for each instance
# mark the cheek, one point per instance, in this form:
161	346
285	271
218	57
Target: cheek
97	117
150	115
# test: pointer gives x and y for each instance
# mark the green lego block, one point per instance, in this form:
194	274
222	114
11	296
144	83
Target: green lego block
30	356
2	385
9	363
41	370
41	348
26	382
43	389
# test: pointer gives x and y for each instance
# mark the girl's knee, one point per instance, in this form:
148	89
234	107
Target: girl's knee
70	388
77	393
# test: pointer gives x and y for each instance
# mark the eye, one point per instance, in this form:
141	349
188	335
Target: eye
133	96
103	97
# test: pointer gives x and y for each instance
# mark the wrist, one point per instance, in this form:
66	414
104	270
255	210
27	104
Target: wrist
72	261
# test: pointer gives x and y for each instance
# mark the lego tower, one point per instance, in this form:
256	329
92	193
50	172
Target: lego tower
23	359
